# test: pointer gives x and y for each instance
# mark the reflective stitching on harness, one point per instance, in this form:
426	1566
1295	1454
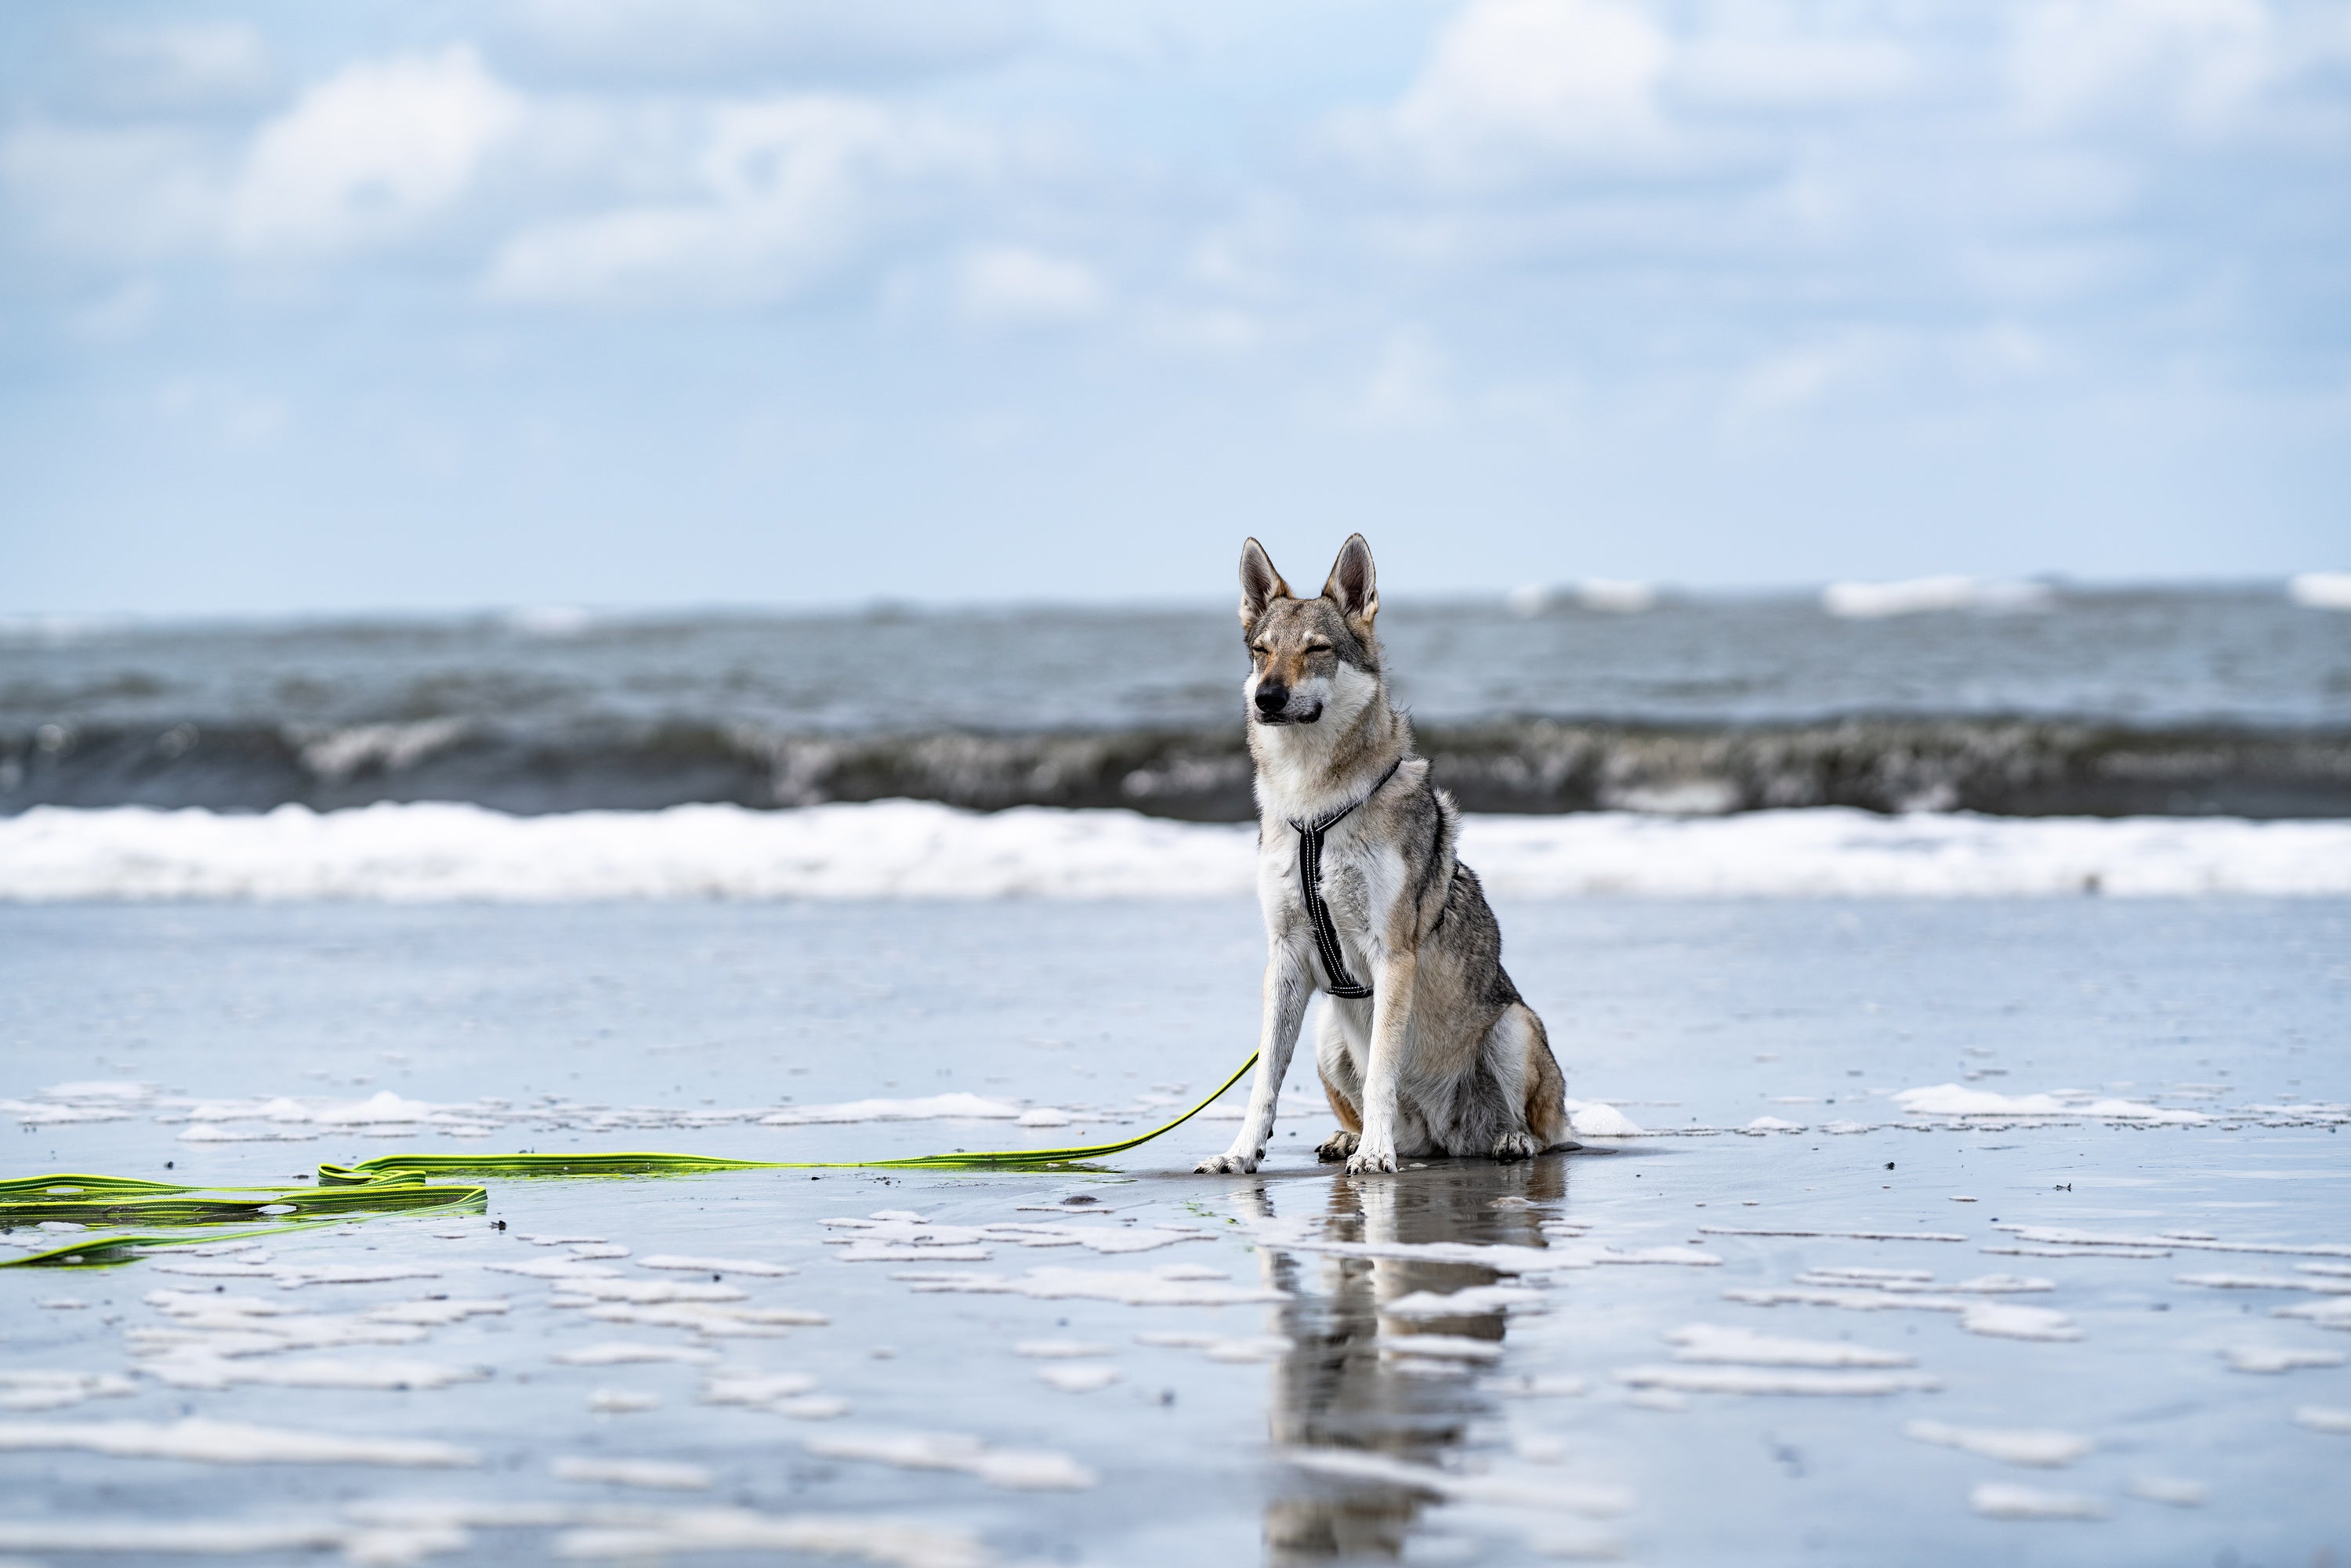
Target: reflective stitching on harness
1309	889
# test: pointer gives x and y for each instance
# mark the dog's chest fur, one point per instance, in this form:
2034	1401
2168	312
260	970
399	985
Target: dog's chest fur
1360	883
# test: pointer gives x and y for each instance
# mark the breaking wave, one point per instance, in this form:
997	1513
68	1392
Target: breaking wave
907	849
2019	767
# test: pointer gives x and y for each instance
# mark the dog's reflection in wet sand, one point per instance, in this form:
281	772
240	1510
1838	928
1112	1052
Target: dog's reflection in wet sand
1337	1390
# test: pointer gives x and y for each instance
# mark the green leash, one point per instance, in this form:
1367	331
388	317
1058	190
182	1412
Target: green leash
398	1184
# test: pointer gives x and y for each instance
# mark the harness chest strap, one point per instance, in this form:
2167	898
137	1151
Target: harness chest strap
1309	890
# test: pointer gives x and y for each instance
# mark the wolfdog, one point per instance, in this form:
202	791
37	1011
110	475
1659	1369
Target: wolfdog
1425	1047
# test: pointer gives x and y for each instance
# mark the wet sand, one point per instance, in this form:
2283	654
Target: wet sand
1723	1341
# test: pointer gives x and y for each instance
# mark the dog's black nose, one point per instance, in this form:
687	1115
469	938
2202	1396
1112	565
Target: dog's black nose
1273	696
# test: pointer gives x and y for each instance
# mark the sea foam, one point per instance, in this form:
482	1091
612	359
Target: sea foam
1919	595
903	849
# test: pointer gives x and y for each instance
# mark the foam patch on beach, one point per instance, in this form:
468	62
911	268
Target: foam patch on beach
1764	1380
384	1115
46	1389
927	1108
1955	1100
1597	1499
1873	1290
1233	1349
387	1532
2046	1449
1173	1287
892	1235
1016	1469
1997	1499
655	1474
1471	1300
1743	1347
228	1443
905	849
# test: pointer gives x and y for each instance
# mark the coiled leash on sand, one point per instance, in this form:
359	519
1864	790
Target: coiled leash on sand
403	1183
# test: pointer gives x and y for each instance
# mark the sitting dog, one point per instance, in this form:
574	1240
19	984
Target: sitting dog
1425	1047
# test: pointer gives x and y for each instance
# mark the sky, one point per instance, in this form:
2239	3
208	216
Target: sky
668	302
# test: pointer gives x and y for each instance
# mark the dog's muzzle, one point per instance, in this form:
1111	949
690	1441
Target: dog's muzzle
1273	707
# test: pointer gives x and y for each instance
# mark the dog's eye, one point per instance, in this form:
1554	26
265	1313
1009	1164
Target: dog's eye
1256	650
1318	647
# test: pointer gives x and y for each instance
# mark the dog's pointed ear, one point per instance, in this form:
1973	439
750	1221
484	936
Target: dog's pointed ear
1354	586
1261	584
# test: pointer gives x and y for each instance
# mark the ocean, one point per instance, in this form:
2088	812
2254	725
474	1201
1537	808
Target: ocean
2028	700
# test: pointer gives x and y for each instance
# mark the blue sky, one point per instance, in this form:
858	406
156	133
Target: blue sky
751	301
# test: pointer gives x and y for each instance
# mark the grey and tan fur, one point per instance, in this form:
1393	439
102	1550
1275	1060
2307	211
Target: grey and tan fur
1444	1057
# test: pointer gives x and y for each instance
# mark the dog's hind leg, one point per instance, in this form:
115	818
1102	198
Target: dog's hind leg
1520	1054
1546	1087
1286	992
1341	1084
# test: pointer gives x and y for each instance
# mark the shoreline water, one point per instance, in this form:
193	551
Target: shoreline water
917	849
1862	1296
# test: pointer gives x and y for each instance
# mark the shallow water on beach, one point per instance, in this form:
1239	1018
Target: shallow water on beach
1812	1317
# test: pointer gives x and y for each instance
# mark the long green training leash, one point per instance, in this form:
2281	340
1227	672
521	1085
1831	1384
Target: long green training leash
402	1184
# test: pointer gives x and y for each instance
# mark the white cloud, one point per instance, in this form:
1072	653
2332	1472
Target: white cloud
1517	87
1518	81
371	154
1787	69
2197	62
707	40
785	191
668	198
1005	286
186	65
114	192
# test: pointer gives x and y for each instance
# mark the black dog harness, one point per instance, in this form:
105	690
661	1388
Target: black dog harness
1310	888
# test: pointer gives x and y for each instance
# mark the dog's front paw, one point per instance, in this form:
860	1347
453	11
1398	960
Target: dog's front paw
1517	1146
1337	1146
1225	1164
1368	1161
